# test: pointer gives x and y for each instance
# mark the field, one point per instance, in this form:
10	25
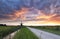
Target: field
52	29
5	30
25	33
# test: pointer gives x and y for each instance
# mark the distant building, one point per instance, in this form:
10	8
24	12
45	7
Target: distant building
2	24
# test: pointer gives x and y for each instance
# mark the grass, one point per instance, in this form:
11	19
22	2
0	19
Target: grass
25	33
51	29
5	30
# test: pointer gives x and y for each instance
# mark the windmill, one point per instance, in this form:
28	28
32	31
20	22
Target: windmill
21	24
31	4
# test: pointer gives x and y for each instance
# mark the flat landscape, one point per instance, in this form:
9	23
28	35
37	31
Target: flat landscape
51	29
31	32
29	19
6	30
25	33
44	34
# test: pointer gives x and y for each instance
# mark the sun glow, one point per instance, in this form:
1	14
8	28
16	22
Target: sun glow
40	23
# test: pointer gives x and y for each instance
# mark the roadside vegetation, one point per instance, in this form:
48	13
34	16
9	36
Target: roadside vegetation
52	29
5	30
25	33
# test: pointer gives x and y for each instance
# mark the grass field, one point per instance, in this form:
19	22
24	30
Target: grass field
5	30
52	29
25	33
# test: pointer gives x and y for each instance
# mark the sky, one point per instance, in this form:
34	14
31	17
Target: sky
30	12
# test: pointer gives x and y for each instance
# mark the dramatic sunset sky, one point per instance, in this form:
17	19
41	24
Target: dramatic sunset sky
31	12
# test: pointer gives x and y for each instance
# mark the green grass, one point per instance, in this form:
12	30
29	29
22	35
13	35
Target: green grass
51	29
5	30
25	33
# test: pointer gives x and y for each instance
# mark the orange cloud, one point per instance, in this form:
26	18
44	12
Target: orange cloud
52	18
43	15
49	19
18	14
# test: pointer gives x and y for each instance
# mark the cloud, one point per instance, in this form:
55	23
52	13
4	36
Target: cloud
28	10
